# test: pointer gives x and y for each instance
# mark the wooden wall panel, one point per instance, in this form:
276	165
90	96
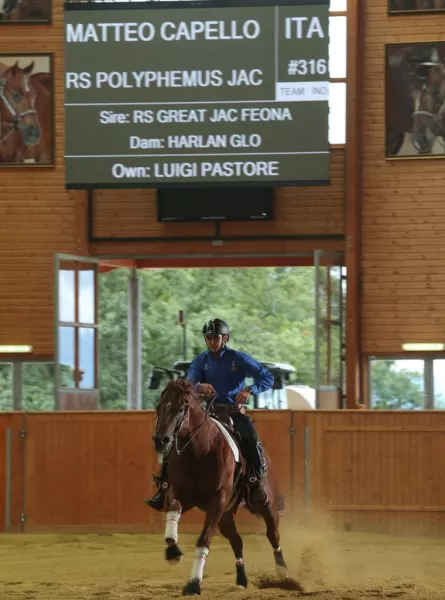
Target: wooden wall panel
313	210
378	471
89	470
403	219
37	215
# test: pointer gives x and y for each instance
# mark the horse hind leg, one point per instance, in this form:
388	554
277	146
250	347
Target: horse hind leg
228	529
271	518
173	553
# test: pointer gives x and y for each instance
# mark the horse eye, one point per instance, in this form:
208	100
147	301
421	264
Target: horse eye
16	96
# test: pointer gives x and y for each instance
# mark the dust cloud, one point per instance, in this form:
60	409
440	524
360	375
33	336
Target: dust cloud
328	564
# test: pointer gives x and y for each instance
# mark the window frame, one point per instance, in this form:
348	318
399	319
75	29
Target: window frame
340	13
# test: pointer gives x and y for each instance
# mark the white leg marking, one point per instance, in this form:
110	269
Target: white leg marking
199	563
171	525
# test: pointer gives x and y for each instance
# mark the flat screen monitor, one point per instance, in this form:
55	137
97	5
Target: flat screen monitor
215	204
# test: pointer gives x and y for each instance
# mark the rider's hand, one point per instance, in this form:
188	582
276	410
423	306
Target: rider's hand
243	396
207	389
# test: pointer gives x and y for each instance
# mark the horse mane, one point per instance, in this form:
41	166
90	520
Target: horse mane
181	389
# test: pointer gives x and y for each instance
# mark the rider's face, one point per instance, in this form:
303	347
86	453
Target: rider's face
214	342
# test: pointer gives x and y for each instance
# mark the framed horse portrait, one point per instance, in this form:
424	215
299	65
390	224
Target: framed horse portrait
25	11
396	7
415	100
26	110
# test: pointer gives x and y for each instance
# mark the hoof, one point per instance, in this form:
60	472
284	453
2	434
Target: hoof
193	588
282	572
241	579
280	565
173	554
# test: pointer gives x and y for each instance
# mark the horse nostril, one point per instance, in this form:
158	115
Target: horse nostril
165	440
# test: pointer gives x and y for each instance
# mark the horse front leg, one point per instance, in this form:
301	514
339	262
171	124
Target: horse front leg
214	512
173	553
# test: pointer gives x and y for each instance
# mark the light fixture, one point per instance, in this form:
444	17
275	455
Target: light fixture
21	349
416	347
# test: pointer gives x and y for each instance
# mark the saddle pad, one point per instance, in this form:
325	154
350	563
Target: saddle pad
229	439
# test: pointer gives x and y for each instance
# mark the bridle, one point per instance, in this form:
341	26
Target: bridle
16	116
425	113
178	427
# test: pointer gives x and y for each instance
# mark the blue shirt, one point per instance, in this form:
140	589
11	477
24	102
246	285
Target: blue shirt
227	373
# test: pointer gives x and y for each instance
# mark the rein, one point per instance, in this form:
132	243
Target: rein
178	428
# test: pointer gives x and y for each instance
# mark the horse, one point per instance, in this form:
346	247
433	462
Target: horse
7	7
20	128
429	110
41	152
205	470
402	79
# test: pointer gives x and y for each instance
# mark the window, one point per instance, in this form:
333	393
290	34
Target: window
337	73
6	402
337	113
407	384
439	383
77	327
397	384
338	6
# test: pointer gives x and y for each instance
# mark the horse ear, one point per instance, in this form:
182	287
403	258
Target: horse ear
14	68
29	68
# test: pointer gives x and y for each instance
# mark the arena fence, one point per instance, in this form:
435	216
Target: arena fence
90	471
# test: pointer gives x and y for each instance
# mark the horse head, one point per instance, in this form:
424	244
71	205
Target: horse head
429	109
176	400
17	104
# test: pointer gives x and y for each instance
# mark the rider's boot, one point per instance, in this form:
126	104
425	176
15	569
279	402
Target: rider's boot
158	500
256	469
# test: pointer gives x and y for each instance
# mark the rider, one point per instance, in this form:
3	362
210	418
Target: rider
222	371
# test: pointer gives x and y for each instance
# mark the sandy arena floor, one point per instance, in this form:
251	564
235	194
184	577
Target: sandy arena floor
345	566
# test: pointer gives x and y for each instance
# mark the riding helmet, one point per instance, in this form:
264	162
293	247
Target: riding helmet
216	327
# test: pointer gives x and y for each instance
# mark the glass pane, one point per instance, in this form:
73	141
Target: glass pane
397	384
86	296
86	357
66	356
66	295
337	113
439	384
337	47
338	5
6	402
38	386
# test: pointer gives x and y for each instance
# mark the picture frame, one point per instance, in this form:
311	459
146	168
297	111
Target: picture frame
33	12
26	116
415	100
402	7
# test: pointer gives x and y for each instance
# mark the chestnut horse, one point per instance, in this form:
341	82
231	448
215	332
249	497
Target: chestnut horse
205	471
25	103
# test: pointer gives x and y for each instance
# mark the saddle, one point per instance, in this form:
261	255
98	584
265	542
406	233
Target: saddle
222	413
